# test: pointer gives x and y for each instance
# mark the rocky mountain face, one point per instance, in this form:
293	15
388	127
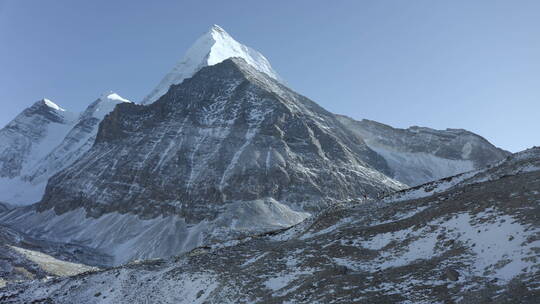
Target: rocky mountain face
476	241
418	155
41	141
228	134
227	152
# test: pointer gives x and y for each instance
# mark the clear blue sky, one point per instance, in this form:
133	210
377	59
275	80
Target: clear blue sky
457	64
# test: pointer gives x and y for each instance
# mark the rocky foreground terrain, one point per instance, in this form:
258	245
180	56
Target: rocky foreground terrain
473	238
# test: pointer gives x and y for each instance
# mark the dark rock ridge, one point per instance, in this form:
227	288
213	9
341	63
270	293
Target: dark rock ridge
417	155
230	133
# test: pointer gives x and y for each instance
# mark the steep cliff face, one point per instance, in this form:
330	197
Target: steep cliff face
418	155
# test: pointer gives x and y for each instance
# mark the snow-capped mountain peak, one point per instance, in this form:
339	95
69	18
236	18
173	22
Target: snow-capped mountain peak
103	105
110	95
44	139
213	47
47	109
51	104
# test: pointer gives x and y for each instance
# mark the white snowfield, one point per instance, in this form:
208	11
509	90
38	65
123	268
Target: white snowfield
49	146
212	48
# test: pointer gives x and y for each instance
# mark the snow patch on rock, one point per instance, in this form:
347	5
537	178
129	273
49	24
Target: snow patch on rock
51	104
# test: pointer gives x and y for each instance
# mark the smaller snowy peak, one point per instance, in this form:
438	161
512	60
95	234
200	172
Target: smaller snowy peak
52	105
213	47
112	96
46	104
49	110
103	105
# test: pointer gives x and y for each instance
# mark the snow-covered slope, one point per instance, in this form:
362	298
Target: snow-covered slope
418	155
41	141
475	243
211	48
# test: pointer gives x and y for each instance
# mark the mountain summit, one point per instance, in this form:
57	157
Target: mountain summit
213	47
